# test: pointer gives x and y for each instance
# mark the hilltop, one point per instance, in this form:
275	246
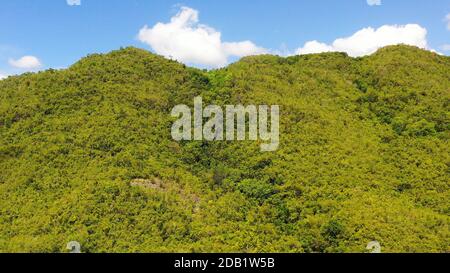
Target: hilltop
86	155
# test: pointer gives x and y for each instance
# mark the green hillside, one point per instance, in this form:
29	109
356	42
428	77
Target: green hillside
86	154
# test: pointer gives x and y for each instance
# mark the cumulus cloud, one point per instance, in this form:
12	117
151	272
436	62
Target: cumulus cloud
187	41
445	47
374	2
368	40
2	76
73	2
26	62
314	47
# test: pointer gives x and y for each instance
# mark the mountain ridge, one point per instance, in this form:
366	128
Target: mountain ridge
145	53
86	155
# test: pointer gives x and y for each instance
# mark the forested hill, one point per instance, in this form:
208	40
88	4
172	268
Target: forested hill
86	154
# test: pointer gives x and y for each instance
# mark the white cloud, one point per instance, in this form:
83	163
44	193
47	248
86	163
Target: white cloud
2	76
368	40
187	41
374	2
26	62
73	2
446	47
314	47
447	19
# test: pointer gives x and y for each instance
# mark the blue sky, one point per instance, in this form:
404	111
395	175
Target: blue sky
54	34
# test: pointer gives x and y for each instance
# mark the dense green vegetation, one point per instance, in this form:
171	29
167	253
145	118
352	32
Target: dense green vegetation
86	155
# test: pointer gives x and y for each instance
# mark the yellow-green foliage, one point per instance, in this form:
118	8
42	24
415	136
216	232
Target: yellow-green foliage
86	155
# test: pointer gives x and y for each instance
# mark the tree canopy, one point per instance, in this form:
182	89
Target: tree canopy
86	155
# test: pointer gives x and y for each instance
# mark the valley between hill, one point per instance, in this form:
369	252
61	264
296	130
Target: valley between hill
86	155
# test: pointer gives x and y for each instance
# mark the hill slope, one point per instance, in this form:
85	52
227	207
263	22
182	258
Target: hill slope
86	155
